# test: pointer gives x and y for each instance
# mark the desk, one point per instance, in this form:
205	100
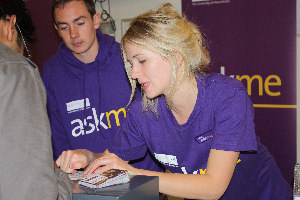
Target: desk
139	188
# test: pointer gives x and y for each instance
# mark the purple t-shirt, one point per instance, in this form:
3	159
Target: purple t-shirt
222	119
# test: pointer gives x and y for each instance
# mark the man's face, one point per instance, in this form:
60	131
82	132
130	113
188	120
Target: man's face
77	29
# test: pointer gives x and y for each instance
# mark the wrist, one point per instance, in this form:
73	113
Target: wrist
135	171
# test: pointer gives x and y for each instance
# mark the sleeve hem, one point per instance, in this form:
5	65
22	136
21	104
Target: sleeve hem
247	147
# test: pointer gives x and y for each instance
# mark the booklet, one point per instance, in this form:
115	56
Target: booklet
108	178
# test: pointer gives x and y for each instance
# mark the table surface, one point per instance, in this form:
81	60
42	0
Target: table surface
139	187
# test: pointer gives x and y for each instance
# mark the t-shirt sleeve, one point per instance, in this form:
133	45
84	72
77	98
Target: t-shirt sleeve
234	126
129	143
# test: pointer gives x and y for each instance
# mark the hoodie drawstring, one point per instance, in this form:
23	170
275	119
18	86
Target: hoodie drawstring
84	100
84	108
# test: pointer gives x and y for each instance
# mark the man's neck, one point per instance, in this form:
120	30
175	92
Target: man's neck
13	46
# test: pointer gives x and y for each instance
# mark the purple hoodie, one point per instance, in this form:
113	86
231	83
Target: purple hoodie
86	102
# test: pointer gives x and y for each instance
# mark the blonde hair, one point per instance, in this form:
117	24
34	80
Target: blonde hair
167	33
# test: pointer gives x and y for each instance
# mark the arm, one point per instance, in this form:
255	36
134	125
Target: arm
212	185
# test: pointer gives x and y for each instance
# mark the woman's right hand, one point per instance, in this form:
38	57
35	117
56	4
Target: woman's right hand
71	160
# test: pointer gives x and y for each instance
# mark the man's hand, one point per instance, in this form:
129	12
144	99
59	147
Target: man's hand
71	160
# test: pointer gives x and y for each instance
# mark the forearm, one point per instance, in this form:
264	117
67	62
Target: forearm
187	185
211	185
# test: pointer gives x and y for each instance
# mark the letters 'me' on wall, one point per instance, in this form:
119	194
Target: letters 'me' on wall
270	86
255	41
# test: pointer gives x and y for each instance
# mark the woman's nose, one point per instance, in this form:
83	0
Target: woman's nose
134	72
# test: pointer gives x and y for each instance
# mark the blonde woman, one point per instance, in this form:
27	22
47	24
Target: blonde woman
199	126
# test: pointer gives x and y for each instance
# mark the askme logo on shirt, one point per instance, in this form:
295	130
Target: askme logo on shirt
78	105
92	122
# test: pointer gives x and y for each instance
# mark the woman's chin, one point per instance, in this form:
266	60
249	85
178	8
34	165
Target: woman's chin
150	96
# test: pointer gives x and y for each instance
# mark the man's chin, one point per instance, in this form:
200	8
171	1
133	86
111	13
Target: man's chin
78	52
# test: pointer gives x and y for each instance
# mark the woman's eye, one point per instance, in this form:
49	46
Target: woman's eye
142	61
81	24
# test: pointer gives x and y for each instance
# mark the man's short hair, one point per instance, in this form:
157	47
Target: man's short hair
24	21
90	5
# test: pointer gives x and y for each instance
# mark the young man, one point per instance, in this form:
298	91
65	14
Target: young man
27	170
86	83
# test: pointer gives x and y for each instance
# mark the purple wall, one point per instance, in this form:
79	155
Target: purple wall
47	37
257	37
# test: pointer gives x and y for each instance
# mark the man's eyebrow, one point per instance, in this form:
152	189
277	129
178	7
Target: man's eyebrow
79	18
61	23
75	20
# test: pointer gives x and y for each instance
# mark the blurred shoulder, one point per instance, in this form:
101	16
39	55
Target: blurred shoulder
220	82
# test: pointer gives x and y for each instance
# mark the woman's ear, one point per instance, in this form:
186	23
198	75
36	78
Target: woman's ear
179	59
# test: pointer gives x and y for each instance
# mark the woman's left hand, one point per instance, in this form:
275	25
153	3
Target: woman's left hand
109	161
